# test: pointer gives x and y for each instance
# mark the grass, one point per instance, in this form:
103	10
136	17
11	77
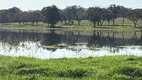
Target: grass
85	25
91	68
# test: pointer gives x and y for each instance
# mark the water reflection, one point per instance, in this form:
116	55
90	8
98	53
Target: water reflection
99	40
51	38
58	44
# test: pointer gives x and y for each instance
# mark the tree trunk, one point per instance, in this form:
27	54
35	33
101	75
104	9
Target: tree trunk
19	23
101	22
135	23
98	23
123	21
65	22
52	26
61	22
78	23
94	24
113	21
37	23
108	22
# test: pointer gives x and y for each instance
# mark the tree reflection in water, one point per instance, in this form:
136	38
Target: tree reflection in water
33	41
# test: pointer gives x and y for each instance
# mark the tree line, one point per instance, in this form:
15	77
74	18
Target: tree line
52	14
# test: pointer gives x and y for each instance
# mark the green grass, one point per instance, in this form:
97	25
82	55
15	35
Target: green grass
67	28
85	25
91	68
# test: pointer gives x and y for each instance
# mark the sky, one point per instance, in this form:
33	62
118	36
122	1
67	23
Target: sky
26	5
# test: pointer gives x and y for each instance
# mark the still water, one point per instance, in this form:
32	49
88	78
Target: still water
68	44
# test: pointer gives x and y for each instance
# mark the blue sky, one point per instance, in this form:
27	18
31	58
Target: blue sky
39	4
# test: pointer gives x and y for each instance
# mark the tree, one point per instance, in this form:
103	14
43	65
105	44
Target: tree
12	12
4	16
123	13
78	13
134	16
68	13
34	16
114	9
25	17
63	16
94	15
107	14
21	17
51	15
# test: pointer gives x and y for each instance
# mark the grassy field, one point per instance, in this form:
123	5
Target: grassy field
85	25
91	68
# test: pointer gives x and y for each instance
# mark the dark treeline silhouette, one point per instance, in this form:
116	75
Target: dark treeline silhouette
51	15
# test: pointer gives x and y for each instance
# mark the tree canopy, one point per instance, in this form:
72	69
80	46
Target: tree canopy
51	15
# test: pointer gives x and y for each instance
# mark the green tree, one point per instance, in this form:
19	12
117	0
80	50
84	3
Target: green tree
12	12
94	15
68	13
114	9
34	17
78	13
123	11
134	16
108	16
51	15
63	16
4	16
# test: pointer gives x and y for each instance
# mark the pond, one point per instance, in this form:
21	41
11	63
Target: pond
69	44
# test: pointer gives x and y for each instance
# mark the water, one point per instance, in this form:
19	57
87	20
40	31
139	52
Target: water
68	44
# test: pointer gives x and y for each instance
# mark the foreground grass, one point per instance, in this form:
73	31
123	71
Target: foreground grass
92	68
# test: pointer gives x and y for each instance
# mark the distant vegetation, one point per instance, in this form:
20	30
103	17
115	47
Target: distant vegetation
51	15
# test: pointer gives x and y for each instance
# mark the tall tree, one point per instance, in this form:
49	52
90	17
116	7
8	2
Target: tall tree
68	13
123	11
107	14
134	16
94	14
34	17
51	15
78	13
114	9
63	16
4	16
12	12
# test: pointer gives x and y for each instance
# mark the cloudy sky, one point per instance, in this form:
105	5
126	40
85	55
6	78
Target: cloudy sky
39	4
